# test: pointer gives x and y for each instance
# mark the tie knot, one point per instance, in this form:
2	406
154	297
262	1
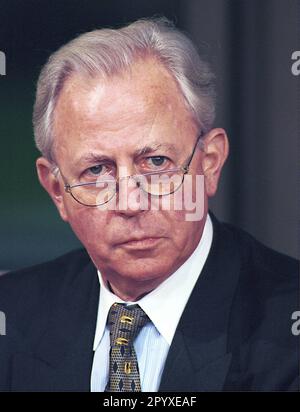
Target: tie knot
125	322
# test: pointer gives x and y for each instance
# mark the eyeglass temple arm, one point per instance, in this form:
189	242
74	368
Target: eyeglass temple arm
186	167
56	171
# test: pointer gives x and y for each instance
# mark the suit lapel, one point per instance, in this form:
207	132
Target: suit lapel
62	359
182	375
198	359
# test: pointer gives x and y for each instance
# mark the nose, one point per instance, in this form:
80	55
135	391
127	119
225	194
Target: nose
131	200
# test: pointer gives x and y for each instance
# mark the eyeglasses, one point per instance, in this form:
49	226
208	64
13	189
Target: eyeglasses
158	183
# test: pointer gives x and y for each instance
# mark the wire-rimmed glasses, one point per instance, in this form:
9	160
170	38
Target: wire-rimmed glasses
158	183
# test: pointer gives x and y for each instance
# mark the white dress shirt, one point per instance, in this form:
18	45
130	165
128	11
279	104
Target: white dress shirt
164	306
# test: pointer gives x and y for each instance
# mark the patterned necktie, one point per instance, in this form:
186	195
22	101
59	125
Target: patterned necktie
124	322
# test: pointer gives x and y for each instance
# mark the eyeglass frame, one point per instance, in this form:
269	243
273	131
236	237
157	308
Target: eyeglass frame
185	169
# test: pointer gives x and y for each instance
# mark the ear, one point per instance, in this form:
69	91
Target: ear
216	149
52	184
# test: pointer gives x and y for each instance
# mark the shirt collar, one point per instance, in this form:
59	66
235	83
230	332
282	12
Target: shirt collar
164	305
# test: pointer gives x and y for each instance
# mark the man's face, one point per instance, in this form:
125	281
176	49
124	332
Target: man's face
114	120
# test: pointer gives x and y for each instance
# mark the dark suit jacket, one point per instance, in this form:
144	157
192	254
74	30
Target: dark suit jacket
235	332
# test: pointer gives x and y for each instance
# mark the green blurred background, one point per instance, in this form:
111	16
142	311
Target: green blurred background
249	44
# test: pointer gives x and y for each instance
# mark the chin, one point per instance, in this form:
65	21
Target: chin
143	270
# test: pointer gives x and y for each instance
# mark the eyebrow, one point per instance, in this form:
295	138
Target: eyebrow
155	147
92	157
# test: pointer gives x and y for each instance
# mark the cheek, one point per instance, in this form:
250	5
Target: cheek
90	227
180	230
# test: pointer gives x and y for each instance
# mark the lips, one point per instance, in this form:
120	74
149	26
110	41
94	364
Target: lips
140	242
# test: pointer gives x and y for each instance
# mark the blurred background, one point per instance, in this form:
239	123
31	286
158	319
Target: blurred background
249	45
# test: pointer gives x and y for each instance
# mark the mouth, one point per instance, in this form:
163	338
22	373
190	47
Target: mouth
140	243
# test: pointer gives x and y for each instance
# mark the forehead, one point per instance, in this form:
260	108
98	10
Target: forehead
141	102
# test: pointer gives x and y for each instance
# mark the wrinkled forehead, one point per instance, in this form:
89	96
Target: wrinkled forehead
145	83
142	99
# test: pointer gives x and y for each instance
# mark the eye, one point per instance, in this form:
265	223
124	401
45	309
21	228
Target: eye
157	161
96	170
93	173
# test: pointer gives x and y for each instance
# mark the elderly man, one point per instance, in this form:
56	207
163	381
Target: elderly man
163	297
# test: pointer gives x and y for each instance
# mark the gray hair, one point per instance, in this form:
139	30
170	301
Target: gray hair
110	51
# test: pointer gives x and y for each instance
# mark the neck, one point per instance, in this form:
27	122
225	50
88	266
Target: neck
131	291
